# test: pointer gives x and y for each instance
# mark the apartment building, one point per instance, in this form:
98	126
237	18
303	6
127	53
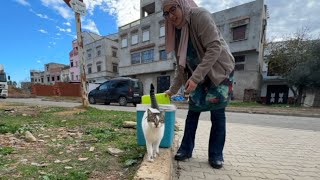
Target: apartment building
142	49
244	29
143	56
101	59
88	38
36	76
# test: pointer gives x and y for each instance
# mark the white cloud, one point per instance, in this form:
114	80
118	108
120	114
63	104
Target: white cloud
59	6
23	2
63	30
39	61
125	11
58	34
53	43
91	26
43	16
67	24
43	31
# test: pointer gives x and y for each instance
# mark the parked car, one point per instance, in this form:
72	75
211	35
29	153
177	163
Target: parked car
121	90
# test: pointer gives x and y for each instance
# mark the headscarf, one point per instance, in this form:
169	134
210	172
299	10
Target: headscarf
185	6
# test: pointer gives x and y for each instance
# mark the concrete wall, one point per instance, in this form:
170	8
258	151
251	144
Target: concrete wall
312	98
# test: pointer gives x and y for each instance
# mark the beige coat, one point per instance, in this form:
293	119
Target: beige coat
216	60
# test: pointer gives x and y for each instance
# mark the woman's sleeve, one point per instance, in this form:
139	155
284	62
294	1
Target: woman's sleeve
177	80
207	32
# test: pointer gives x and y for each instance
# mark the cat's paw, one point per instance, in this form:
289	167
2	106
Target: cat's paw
155	155
150	159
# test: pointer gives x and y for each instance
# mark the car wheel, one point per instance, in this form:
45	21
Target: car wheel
123	101
92	100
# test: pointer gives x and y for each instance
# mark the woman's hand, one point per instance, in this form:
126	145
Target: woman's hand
168	93
190	86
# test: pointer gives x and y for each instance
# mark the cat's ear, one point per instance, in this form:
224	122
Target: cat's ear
162	116
150	115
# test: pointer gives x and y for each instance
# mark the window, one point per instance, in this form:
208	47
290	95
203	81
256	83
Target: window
147	56
124	42
71	63
135	58
163	55
48	78
32	80
114	53
98	66
52	78
146	35
115	67
239	33
77	77
104	86
240	61
72	76
89	51
89	69
98	48
162	30
134	39
58	78
41	80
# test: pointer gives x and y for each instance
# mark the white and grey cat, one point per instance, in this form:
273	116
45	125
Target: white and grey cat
153	127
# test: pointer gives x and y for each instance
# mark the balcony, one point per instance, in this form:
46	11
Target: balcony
153	67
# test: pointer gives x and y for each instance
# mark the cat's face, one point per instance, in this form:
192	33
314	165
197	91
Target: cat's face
155	120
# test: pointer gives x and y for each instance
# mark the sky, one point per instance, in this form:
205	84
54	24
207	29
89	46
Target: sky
36	32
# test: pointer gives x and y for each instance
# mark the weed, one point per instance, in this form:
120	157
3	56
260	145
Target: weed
6	150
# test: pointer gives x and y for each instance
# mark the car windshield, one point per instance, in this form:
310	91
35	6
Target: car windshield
135	84
3	78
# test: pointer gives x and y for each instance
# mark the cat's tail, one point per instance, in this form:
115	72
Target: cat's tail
154	103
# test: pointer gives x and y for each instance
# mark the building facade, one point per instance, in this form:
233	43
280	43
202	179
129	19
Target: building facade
142	49
36	76
244	29
101	59
142	46
88	38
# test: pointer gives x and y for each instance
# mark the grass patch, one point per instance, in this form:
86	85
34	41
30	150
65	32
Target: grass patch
8	128
6	150
67	137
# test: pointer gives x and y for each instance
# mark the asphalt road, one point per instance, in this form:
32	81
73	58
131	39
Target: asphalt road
304	123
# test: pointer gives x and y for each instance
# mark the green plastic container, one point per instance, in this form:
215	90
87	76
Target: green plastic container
170	117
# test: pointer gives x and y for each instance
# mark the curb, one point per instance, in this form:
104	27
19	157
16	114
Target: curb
267	112
160	169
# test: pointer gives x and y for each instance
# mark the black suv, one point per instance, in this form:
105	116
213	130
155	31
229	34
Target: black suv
121	90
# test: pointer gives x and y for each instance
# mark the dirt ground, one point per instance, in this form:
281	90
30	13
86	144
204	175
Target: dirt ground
70	143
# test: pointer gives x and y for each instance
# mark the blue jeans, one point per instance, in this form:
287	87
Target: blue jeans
217	134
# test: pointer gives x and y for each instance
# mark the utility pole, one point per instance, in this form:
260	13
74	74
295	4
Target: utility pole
79	9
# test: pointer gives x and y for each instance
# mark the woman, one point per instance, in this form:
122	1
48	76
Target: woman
205	64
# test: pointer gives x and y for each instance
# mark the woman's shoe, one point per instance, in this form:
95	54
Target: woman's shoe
181	157
216	164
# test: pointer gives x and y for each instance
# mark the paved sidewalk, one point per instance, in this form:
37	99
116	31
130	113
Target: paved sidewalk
253	152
